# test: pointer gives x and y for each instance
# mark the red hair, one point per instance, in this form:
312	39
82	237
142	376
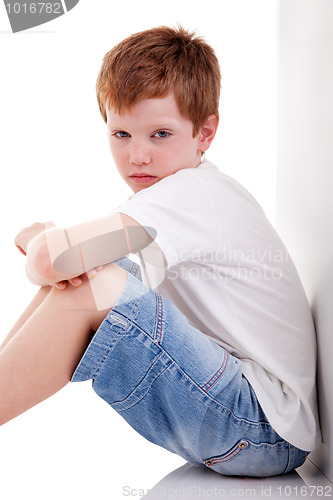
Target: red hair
157	62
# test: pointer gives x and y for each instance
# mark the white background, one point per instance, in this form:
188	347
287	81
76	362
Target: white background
55	165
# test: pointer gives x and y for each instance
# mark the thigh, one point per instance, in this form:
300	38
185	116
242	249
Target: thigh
42	356
160	373
179	389
34	304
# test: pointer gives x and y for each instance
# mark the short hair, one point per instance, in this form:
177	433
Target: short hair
157	62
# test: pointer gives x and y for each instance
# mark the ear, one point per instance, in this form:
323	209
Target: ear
207	133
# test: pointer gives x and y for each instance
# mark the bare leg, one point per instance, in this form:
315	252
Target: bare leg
36	301
42	356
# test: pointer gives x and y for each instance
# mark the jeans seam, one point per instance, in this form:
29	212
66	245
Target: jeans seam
233	453
135	269
201	391
289	460
146	392
217	375
159	318
108	348
115	338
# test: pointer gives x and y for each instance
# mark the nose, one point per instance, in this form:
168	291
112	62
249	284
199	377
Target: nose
140	153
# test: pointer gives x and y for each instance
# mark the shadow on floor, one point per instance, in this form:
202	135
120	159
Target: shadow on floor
194	482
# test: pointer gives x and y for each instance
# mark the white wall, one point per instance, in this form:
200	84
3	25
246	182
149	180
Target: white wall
305	176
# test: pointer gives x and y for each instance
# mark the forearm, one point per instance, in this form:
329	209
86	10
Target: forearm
61	254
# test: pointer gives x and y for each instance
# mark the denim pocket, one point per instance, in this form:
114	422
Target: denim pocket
247	458
230	455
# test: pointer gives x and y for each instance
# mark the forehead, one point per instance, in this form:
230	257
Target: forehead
163	109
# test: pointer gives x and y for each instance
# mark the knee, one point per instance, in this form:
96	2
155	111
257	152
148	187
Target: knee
75	299
95	296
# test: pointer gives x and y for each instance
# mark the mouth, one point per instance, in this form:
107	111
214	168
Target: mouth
142	178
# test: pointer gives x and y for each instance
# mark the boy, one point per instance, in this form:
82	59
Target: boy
215	359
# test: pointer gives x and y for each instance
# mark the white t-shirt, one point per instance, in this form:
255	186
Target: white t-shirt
231	275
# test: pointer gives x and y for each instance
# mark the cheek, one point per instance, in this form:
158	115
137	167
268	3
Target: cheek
165	161
167	154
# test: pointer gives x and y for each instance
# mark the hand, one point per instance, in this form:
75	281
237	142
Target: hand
26	234
77	281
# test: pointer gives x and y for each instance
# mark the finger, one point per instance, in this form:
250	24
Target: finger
61	285
75	281
91	274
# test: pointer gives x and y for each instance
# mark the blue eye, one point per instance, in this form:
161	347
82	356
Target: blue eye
121	134
162	134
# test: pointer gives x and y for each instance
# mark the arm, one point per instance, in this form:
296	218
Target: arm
61	254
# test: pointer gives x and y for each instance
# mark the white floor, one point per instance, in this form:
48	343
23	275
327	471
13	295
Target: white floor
190	481
74	447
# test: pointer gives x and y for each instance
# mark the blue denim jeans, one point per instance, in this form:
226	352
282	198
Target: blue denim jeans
179	389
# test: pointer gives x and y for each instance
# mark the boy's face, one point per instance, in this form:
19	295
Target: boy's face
151	141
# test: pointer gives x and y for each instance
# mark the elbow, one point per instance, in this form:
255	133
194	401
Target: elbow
39	267
43	265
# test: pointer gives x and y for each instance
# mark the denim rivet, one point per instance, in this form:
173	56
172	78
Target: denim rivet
242	444
208	462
